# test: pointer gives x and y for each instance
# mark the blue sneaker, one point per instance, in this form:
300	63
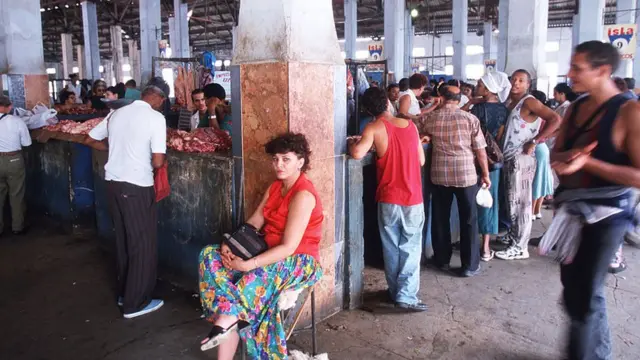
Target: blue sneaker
120	301
154	305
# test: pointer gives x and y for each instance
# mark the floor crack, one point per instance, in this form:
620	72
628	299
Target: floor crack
452	308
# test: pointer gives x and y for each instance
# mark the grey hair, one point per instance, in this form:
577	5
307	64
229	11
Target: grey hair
153	90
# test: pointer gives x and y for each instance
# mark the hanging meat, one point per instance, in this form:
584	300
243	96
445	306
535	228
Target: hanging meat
183	86
202	140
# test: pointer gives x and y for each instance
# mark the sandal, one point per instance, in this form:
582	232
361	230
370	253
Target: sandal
622	266
488	257
218	335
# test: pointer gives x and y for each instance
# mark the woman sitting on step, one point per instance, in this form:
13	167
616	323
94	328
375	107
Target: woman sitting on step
236	293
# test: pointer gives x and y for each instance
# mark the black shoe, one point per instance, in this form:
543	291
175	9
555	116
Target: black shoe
20	232
417	307
462	272
442	267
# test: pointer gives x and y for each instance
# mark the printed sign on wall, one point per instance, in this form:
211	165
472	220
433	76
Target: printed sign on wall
623	37
375	51
489	65
224	79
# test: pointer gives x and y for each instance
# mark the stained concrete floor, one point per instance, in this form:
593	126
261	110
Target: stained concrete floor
58	303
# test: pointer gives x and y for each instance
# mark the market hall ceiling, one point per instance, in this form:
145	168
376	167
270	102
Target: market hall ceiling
212	20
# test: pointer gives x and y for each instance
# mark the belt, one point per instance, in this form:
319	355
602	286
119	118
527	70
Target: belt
10	153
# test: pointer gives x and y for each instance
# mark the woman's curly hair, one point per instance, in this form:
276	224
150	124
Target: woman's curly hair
290	142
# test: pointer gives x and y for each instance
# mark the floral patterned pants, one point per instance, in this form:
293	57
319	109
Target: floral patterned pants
253	297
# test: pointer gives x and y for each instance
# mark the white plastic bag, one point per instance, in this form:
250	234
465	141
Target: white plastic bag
42	119
483	198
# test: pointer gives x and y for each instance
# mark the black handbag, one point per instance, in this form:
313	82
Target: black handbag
246	242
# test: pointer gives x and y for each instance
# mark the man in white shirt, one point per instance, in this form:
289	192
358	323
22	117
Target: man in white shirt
75	87
137	145
13	136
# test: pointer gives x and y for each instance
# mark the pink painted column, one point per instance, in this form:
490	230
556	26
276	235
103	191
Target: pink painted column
293	78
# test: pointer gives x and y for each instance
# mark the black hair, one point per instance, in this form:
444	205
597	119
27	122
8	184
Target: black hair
5	101
599	54
160	84
375	101
564	88
113	90
426	94
417	81
434	82
131	83
449	95
153	90
290	142
214	91
524	72
121	90
404	84
196	92
64	96
539	95
631	83
621	84
441	79
454	82
392	86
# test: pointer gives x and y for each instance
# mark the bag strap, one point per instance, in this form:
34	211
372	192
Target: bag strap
582	129
3	116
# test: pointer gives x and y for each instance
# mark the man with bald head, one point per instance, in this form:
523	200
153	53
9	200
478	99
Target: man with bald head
456	140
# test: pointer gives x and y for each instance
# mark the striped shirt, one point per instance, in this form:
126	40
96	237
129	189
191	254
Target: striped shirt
455	134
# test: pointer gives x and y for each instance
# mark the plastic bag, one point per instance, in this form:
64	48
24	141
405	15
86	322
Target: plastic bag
161	183
484	198
42	119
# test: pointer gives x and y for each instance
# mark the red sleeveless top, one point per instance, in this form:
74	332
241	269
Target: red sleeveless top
276	211
399	175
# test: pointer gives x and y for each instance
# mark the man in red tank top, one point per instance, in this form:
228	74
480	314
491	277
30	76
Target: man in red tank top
399	195
457	142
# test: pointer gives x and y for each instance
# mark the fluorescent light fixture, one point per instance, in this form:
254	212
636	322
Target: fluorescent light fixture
218	63
42	10
51	71
496	31
227	62
414	12
101	69
189	13
75	70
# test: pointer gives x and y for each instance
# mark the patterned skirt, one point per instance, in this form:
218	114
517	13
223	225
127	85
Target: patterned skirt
253	297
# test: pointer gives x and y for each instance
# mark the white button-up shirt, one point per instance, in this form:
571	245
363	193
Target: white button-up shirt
135	132
13	133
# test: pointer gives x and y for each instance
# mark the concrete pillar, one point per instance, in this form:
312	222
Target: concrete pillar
350	27
291	79
626	15
503	27
150	34
134	60
80	57
109	72
409	33
118	55
575	31
179	31
394	27
460	13
91	45
526	36
67	55
22	53
487	38
234	37
591	23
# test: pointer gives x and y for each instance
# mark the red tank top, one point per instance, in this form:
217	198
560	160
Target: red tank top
399	177
276	211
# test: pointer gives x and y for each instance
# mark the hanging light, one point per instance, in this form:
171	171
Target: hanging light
227	62
414	13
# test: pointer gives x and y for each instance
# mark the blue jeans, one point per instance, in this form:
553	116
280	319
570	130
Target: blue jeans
401	234
583	281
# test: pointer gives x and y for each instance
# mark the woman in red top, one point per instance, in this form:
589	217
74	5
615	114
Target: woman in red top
237	293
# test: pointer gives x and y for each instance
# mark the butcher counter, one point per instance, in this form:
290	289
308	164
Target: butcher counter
65	181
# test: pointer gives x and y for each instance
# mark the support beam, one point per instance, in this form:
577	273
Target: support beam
487	39
591	23
117	53
626	14
409	33
179	30
394	27
150	35
503	27
67	55
134	60
350	27
91	45
80	57
460	18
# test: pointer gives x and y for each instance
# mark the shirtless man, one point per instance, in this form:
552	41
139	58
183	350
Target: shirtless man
399	196
597	149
